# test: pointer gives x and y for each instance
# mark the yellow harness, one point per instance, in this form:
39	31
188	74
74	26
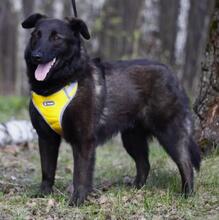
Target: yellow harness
53	106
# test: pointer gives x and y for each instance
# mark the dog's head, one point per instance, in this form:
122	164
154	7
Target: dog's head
52	43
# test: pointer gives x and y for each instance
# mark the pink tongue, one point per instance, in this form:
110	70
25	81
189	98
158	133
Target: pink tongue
42	70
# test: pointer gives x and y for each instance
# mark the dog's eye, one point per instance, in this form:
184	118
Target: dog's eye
56	37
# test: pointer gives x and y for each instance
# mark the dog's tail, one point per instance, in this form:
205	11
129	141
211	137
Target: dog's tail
195	154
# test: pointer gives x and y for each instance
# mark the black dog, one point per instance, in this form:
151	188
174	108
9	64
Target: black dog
139	98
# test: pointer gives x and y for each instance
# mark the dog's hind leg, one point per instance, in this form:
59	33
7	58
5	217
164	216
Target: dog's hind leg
135	143
176	140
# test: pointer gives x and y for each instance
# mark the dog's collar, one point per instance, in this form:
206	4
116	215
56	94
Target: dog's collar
52	107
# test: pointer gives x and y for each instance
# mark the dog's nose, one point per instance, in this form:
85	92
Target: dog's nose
37	56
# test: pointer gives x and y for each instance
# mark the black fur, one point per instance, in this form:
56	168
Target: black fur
138	98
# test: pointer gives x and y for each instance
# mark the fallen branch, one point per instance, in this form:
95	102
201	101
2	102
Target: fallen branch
16	133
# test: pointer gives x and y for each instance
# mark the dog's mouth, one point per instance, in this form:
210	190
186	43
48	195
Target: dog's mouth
42	70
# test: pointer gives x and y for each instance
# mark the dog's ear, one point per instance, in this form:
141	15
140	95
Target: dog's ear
80	26
31	21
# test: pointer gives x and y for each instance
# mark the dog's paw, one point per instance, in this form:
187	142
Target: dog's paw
45	189
139	182
78	197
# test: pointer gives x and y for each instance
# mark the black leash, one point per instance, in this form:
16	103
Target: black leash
74	8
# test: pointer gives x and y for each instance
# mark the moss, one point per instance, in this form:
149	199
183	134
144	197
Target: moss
214	26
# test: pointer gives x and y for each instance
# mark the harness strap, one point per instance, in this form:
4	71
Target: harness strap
52	107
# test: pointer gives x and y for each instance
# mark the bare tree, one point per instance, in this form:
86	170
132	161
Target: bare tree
67	8
119	26
28	7
169	10
207	104
21	83
8	46
198	22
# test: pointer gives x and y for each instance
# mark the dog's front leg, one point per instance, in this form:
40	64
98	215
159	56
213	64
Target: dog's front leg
48	154
84	160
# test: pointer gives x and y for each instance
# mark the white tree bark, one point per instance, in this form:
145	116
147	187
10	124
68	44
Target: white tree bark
182	34
16	133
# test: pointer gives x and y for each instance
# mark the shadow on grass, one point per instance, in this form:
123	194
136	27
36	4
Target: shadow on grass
161	180
164	179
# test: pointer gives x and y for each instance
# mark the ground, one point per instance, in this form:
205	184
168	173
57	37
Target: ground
114	197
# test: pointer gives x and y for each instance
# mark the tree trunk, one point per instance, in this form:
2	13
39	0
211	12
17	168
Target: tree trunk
67	11
198	22
119	27
169	10
181	37
28	7
8	47
21	83
207	104
2	12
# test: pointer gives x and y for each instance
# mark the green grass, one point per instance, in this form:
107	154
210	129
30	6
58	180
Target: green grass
113	197
13	107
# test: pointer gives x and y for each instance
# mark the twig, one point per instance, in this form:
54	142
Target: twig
8	183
